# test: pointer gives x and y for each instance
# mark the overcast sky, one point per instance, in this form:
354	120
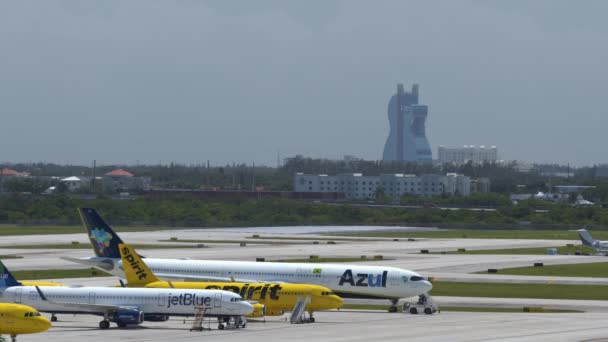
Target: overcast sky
195	80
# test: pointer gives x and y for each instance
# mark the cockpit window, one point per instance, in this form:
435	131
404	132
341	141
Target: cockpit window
416	278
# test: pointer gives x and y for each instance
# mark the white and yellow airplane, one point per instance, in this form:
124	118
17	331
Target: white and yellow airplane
275	298
16	319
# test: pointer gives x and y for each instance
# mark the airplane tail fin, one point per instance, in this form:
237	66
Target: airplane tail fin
586	238
103	238
136	270
6	278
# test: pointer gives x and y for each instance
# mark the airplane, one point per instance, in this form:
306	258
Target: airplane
122	306
587	240
276	298
17	319
347	281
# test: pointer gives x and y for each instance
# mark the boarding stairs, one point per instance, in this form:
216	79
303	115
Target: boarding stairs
298	314
199	317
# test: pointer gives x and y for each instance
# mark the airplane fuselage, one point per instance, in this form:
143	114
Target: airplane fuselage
345	280
174	302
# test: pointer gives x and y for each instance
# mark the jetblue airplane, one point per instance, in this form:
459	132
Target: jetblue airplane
123	306
347	281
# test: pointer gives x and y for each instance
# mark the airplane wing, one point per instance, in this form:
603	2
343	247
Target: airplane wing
92	307
184	277
100	264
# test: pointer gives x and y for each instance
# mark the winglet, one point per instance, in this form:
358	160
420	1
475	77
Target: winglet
6	278
136	271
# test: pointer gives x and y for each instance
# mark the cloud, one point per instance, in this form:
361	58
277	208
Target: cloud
315	14
96	8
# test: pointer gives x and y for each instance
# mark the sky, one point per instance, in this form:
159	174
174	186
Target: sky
149	81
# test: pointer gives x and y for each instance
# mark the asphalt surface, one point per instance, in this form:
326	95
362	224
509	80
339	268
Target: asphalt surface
344	325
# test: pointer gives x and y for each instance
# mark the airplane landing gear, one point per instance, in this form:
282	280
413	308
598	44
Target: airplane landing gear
53	318
104	324
393	307
13	338
311	319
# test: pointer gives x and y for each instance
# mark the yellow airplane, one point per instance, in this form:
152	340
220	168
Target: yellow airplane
17	319
275	299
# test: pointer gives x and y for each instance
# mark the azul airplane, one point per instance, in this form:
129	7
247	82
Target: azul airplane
16	319
121	305
276	298
354	281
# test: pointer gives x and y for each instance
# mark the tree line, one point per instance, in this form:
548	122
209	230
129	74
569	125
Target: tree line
188	210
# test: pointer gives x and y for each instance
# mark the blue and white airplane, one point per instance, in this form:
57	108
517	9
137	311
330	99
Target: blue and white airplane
123	306
347	281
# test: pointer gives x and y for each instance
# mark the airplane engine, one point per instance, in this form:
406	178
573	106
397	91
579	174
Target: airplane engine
124	317
259	310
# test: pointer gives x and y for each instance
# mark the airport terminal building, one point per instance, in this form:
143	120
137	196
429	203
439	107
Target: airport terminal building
358	186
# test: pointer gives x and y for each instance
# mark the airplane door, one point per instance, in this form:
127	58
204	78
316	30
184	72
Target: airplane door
18	293
162	299
92	297
217	302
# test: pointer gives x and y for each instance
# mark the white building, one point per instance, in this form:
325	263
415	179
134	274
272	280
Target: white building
462	155
74	183
357	186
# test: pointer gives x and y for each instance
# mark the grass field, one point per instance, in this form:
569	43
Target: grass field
10	256
253	242
296	238
482	234
458	308
528	251
44	230
327	260
594	269
58	274
504	290
88	246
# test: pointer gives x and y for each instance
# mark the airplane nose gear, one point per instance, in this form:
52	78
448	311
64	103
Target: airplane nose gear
393	307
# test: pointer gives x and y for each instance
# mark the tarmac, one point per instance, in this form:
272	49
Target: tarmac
345	325
352	326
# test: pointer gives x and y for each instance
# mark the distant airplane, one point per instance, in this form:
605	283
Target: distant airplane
587	240
17	319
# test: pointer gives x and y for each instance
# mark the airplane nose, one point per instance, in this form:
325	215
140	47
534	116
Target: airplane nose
42	323
246	307
427	286
338	302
